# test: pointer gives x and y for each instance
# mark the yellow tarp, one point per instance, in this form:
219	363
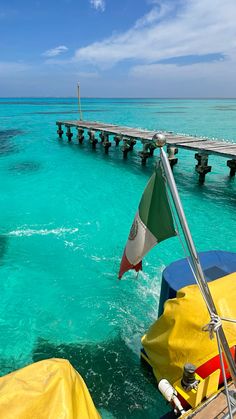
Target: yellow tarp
49	389
177	336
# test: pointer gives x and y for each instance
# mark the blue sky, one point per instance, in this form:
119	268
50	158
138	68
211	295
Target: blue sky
119	48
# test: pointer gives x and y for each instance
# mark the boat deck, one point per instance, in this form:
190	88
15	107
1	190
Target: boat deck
214	408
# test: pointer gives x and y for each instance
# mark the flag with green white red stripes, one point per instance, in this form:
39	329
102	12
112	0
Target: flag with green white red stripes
153	223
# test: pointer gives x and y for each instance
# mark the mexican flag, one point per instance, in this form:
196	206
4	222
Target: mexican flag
153	223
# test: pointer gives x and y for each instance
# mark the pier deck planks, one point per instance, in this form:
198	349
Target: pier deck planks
203	145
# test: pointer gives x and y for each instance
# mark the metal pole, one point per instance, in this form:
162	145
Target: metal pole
202	283
79	104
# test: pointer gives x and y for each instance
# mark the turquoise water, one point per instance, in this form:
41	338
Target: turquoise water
65	215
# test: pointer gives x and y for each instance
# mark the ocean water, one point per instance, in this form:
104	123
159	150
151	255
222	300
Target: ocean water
65	216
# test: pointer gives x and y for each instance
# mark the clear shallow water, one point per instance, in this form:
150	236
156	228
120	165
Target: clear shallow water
65	215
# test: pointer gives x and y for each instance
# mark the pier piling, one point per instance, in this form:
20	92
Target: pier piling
128	145
102	136
69	134
144	154
80	135
132	144
92	138
148	151
171	151
202	167
60	130
117	139
152	148
106	143
232	165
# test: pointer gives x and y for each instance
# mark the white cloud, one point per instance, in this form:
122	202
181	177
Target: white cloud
55	51
197	27
98	4
169	29
156	14
216	79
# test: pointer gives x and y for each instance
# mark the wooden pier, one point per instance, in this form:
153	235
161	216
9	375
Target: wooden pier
129	136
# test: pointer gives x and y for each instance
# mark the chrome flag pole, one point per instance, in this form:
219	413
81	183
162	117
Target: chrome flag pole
159	140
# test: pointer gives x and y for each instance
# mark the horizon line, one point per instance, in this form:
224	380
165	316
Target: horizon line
117	97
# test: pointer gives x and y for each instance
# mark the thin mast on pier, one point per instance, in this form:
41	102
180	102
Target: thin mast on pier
79	103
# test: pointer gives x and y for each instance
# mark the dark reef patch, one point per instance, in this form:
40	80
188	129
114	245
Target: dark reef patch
177	107
170	112
113	374
9	133
68	112
25	167
224	108
39	103
97	110
3	246
6	144
53	112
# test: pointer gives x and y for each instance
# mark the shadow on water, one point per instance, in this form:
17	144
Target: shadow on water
222	192
6	144
25	167
114	375
3	247
225	189
115	157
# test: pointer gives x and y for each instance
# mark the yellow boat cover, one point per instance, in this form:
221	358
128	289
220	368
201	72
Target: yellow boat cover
50	389
177	336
